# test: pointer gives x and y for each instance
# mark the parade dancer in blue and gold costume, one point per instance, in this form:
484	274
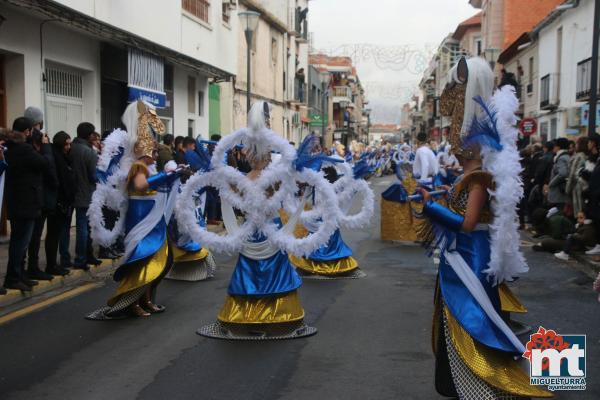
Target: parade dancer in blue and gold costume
335	259
474	347
191	261
146	258
263	288
262	299
396	213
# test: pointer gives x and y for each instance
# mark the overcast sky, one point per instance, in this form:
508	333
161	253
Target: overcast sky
391	42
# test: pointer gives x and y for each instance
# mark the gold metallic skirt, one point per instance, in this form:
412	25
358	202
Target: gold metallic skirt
397	222
496	368
184	256
509	302
142	273
262	310
336	267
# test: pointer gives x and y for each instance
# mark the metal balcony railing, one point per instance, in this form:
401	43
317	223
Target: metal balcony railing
301	24
299	91
584	80
549	91
342	91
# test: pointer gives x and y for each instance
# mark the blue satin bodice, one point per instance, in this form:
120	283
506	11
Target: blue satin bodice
335	249
262	278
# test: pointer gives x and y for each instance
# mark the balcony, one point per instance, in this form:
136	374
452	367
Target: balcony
299	91
301	25
342	93
584	80
549	92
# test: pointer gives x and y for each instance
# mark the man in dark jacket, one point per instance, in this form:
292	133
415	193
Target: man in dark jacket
49	185
83	162
59	220
24	198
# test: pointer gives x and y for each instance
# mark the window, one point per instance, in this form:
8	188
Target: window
584	77
478	46
545	91
191	95
530	76
274	49
65	83
198	8
226	12
201	103
530	71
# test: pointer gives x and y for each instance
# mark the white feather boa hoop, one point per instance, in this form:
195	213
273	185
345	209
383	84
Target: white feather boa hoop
346	189
325	210
185	213
507	260
111	194
279	179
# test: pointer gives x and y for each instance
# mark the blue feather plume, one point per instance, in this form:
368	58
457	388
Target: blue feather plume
483	131
114	162
305	157
199	159
362	169
305	150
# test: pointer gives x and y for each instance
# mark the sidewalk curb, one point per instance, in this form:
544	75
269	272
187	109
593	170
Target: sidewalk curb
15	299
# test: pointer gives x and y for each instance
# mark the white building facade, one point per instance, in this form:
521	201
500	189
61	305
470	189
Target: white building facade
95	56
564	51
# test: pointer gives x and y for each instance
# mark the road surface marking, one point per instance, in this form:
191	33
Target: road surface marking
48	302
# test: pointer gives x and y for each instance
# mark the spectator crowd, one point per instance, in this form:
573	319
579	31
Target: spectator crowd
562	196
47	183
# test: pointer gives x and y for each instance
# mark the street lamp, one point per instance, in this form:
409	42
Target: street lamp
249	23
324	77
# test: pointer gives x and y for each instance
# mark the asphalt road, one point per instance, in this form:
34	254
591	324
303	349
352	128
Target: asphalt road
373	340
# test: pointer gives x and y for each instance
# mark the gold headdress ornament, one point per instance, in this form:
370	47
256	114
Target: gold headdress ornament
148	129
466	80
340	149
